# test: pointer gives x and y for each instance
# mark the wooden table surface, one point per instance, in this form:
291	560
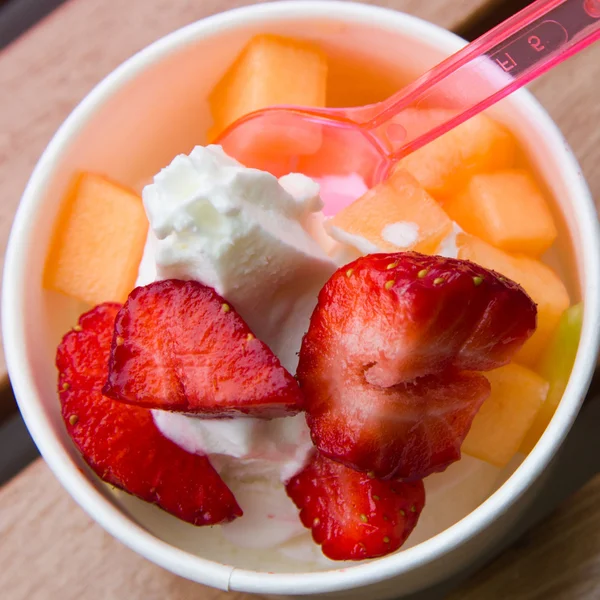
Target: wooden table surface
49	549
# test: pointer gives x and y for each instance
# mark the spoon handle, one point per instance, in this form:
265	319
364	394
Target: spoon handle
488	69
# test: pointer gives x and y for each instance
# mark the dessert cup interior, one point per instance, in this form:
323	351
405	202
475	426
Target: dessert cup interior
157	109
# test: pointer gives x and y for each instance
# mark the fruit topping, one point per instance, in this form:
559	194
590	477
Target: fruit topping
353	515
555	365
444	165
270	70
121	443
506	209
398	214
98	241
504	418
179	346
538	280
387	364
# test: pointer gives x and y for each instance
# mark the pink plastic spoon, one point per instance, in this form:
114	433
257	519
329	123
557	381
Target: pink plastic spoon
364	142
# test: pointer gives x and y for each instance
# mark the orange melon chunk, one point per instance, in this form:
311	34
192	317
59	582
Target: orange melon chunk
506	209
539	281
98	241
270	70
504	418
397	214
445	165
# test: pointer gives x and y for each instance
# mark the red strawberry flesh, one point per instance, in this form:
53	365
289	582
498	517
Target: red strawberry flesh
351	515
121	443
387	365
179	346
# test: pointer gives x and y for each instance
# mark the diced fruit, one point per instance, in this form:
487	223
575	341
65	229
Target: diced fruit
354	79
98	241
504	418
555	365
506	209
398	214
539	281
121	443
270	70
179	346
274	143
386	364
331	156
353	516
444	165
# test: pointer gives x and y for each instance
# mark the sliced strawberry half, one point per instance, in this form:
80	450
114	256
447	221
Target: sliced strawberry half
387	364
121	443
179	346
351	515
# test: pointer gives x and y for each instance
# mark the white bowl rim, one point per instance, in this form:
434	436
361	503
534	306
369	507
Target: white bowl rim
227	577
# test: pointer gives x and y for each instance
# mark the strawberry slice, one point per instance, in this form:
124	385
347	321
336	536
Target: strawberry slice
121	443
179	346
386	365
351	515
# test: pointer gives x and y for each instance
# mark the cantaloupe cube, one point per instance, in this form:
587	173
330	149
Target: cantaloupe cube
539	281
270	70
397	214
446	164
555	365
506	209
504	418
332	157
98	241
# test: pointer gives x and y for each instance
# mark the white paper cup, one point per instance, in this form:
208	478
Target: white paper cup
153	107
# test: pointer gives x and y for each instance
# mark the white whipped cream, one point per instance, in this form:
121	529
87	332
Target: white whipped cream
262	243
362	244
403	234
256	458
276	448
147	268
448	247
241	232
248	235
315	225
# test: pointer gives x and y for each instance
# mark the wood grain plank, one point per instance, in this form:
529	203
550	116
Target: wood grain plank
51	68
558	560
52	550
63	57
